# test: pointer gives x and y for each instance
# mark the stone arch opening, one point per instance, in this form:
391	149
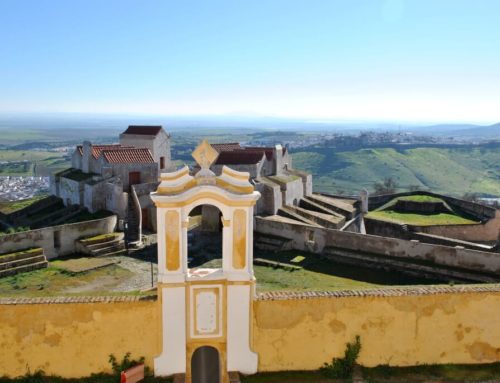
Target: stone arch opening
205	365
205	236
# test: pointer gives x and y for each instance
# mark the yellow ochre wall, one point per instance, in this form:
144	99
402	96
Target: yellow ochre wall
75	339
399	331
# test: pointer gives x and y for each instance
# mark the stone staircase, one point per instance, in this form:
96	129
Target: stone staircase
273	243
337	205
101	246
22	261
290	212
312	217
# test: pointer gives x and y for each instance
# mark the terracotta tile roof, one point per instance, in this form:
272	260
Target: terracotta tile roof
146	130
97	149
233	153
239	157
226	147
269	151
128	156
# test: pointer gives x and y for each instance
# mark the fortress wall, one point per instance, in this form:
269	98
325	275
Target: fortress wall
68	234
312	239
476	210
304	330
76	339
487	232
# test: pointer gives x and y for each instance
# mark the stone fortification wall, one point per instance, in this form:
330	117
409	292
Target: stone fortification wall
476	210
313	239
486	232
399	327
59	240
73	336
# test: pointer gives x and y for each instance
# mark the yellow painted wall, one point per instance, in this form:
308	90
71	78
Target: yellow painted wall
76	339
407	330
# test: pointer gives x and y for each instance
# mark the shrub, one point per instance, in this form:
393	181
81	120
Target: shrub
125	363
343	367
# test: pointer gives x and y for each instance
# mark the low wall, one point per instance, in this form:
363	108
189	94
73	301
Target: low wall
74	336
313	239
486	232
476	210
398	327
59	240
75	339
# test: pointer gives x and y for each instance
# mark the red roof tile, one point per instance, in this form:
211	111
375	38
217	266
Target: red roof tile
226	147
97	149
239	157
128	156
146	130
269	151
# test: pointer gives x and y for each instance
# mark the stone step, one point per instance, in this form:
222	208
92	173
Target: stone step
20	255
23	269
109	249
102	245
334	204
289	213
326	220
307	203
113	253
22	262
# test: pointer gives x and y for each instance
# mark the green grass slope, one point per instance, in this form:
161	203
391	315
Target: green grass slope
444	170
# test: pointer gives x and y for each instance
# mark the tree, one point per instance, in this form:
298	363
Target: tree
388	186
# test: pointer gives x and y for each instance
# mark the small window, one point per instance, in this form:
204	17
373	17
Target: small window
162	162
57	239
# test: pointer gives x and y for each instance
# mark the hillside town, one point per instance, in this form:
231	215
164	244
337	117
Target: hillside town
14	188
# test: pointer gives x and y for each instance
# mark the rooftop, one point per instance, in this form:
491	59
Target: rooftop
145	130
128	155
232	153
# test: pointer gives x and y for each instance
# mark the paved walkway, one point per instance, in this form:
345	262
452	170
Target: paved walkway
141	269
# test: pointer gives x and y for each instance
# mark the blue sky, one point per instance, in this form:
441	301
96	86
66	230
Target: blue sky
390	60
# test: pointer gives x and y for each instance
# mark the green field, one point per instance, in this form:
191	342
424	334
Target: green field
39	163
419	219
387	213
453	171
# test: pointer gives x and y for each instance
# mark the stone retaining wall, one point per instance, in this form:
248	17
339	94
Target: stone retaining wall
59	240
313	239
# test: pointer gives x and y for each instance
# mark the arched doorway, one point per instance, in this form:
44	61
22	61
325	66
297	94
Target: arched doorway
205	237
205	365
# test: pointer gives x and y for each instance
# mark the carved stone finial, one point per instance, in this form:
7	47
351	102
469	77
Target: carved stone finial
205	155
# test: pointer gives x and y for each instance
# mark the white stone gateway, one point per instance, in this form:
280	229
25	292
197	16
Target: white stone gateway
206	313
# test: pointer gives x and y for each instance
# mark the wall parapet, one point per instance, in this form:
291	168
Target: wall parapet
66	235
379	292
76	299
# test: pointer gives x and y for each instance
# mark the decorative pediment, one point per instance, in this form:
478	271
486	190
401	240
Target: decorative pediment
205	155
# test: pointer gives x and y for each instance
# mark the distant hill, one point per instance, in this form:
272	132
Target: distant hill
462	130
447	170
492	131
